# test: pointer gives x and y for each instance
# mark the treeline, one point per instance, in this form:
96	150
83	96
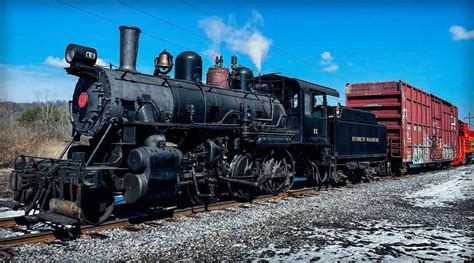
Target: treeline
38	129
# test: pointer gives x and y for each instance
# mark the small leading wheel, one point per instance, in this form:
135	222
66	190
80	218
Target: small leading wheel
96	205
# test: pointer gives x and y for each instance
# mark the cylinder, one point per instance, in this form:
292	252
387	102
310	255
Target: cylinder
129	48
64	207
153	175
138	160
188	66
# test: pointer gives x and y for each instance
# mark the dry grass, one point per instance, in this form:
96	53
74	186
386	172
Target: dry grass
5	191
18	140
36	129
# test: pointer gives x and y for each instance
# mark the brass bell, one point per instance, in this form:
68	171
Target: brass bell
163	63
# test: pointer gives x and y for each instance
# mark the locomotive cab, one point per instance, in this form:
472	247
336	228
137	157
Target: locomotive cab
305	104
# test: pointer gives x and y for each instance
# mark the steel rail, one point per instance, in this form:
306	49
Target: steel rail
50	235
9	222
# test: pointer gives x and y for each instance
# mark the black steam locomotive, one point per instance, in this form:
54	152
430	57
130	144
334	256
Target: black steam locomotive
153	139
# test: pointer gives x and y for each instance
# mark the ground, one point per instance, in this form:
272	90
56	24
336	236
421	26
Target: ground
426	216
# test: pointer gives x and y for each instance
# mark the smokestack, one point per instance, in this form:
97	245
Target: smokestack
129	48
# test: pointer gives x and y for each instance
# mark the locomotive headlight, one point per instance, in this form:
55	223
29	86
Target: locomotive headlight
76	54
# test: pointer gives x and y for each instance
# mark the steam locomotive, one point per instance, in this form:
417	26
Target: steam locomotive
154	139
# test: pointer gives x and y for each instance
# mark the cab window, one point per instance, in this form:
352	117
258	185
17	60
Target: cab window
317	110
294	101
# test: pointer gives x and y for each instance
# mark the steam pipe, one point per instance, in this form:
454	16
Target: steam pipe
68	145
99	144
129	48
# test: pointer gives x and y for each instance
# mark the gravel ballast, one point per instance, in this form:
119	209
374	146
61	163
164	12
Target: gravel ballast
393	219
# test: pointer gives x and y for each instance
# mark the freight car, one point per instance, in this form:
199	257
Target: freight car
422	128
153	139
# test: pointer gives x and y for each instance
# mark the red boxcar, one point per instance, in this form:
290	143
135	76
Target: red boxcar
422	128
465	143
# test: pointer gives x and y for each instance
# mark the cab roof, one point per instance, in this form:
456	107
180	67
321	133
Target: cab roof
298	83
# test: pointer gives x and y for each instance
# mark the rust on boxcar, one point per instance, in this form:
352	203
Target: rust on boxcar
422	128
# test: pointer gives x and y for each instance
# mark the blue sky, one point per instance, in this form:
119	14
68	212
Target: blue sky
428	44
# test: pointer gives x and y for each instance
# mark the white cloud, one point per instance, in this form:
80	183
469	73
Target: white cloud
460	33
56	62
211	53
331	68
326	57
246	39
27	83
327	61
61	62
101	63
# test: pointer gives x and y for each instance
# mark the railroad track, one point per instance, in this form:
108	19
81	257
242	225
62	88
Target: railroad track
51	235
8	222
